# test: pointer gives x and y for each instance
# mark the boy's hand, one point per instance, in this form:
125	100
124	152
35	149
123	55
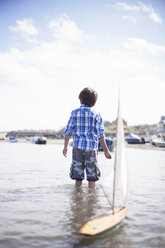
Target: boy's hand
65	151
107	154
105	148
66	140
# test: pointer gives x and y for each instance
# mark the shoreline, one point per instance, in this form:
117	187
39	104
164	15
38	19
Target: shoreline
24	140
147	146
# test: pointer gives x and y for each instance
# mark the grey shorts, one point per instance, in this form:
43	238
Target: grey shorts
83	160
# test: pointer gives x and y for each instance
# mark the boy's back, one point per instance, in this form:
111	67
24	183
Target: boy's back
86	126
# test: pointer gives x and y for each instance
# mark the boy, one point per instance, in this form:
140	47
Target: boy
87	128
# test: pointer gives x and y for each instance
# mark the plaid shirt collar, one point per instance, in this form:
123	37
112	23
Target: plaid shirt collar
85	106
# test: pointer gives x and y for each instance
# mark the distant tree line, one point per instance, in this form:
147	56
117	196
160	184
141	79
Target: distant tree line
110	129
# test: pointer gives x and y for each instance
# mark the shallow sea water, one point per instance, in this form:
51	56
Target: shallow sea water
40	207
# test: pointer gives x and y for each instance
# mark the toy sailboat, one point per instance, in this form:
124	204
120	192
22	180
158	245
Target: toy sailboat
110	220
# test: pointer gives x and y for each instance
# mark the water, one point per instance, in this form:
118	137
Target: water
40	207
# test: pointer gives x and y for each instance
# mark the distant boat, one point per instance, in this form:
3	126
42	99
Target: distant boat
2	136
154	141
12	140
40	140
110	143
148	139
134	139
160	142
157	140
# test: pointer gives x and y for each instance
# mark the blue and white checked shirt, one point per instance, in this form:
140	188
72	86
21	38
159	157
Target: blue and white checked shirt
86	127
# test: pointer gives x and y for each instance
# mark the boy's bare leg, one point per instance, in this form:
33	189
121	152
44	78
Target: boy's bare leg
78	183
92	185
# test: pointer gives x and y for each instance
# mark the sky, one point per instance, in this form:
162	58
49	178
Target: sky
51	50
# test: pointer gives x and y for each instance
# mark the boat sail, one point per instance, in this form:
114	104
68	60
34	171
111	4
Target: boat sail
120	164
110	220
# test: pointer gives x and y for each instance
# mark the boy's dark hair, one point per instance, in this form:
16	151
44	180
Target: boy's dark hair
88	97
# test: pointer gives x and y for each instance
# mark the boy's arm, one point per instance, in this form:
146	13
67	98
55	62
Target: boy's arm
66	140
105	148
68	134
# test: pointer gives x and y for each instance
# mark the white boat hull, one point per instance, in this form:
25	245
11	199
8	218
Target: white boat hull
160	144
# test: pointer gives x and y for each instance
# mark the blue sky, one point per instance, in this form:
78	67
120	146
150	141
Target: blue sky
50	50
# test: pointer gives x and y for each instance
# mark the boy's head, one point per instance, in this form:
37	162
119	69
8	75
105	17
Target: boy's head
88	97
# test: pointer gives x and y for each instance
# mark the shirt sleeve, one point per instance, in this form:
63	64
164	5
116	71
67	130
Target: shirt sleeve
70	126
99	127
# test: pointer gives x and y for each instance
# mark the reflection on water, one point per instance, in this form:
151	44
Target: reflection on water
40	207
83	205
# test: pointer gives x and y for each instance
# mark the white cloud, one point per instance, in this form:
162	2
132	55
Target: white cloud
66	30
40	85
26	29
127	7
130	18
25	26
155	17
151	13
142	45
140	9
